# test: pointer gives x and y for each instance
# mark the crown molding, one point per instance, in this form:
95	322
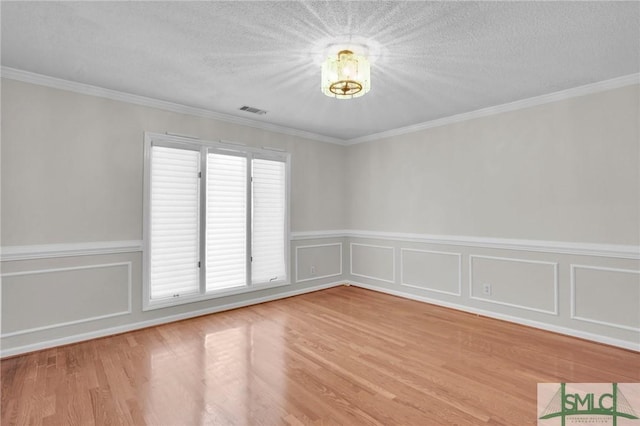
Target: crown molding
587	89
87	89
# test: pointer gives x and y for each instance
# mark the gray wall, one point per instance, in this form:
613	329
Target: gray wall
564	171
540	203
72	168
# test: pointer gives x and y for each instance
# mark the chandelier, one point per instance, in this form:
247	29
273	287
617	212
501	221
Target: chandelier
346	75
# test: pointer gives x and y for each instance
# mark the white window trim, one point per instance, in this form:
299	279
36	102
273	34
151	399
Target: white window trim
222	147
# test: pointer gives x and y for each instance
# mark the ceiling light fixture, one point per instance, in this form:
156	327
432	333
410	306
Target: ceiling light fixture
346	75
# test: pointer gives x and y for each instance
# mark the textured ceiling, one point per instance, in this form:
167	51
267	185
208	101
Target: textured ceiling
429	59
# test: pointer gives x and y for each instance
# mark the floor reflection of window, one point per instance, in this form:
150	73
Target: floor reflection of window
175	384
244	374
235	375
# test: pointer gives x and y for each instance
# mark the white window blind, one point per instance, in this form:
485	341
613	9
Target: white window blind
174	222
268	230
216	219
226	227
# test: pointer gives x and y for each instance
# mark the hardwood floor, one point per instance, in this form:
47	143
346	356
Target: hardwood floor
340	356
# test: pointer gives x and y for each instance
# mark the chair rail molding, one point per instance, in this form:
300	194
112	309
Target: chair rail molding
46	251
618	251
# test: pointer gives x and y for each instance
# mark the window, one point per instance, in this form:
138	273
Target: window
215	219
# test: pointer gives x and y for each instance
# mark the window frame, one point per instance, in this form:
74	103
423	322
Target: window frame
205	147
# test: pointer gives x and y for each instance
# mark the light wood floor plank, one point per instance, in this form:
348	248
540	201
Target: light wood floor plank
343	356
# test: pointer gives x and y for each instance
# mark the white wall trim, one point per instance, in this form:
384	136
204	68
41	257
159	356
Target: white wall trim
573	296
87	89
79	321
157	321
311	235
459	255
393	258
617	251
46	251
513	305
587	89
319	276
517	320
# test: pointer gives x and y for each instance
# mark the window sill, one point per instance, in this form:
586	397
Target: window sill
216	294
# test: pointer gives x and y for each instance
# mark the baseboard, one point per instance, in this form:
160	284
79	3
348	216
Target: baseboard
19	350
517	320
192	314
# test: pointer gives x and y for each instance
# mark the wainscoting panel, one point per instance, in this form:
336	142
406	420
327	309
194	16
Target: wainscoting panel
48	298
606	296
59	294
318	261
520	283
436	271
374	262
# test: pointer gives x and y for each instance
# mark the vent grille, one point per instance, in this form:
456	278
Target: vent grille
253	110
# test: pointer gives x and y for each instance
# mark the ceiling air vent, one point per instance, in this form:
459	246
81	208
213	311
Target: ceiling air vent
253	110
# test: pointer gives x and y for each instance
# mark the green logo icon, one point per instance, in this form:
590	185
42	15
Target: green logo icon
585	403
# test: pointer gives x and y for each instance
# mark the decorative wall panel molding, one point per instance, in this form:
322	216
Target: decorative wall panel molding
436	271
518	283
325	259
606	296
44	299
380	262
